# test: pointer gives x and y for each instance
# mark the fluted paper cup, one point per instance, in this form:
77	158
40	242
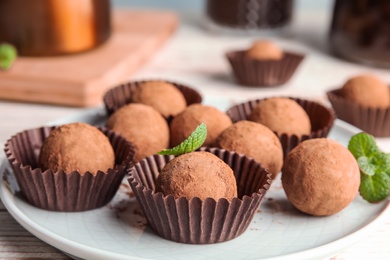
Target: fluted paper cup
263	73
375	121
197	221
321	120
121	95
64	191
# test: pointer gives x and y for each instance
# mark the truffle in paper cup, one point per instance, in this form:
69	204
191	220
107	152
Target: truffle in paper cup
121	95
375	121
263	73
198	221
62	191
321	120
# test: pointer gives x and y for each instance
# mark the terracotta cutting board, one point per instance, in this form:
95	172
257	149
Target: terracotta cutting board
82	79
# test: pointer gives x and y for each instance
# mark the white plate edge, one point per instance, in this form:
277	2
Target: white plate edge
64	244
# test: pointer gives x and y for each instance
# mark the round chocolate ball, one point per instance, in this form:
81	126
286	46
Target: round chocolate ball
282	115
76	147
367	90
197	174
264	50
187	121
253	140
162	96
143	126
320	177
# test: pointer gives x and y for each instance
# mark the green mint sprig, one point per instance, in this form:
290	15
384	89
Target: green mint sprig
8	55
374	167
193	142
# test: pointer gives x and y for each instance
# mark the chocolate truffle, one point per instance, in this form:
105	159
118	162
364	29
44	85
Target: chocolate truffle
197	174
185	123
162	96
320	177
282	115
264	50
143	126
253	140
368	91
76	147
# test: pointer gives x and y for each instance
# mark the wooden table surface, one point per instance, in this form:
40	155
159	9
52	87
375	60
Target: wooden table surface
195	57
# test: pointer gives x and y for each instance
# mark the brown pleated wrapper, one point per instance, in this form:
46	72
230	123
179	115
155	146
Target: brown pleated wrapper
263	73
60	191
195	221
375	121
321	119
119	96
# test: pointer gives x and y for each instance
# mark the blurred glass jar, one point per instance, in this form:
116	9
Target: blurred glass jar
53	27
260	15
360	31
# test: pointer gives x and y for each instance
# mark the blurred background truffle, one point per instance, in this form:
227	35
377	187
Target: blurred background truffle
256	141
143	126
77	147
367	90
185	123
197	174
282	115
264	50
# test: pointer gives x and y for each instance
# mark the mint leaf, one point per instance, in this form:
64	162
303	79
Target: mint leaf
362	144
383	161
374	188
8	55
366	166
374	167
193	142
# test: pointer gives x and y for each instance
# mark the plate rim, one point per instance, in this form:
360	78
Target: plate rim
79	250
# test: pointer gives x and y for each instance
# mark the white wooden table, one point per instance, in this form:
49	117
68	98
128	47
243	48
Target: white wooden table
195	57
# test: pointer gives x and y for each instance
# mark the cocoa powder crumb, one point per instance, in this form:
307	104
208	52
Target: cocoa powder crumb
138	212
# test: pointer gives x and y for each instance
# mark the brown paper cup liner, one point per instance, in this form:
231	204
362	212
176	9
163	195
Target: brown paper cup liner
375	121
60	191
321	119
263	73
195	221
119	96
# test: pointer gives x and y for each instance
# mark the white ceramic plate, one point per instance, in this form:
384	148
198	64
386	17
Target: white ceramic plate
119	231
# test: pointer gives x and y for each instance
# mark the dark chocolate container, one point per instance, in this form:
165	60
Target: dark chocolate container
360	31
250	14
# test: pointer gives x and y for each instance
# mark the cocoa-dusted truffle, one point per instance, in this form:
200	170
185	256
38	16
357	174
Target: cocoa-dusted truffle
162	96
76	147
197	174
264	50
186	122
143	126
320	177
367	90
256	141
282	115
